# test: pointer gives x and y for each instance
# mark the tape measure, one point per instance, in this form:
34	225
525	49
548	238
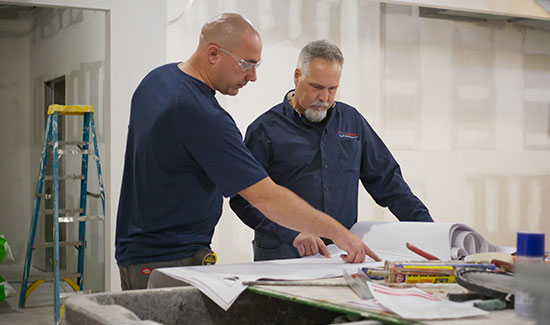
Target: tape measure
204	256
209	259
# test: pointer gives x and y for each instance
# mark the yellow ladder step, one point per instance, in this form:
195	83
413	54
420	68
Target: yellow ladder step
70	109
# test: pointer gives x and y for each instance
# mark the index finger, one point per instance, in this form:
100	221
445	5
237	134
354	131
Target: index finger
371	254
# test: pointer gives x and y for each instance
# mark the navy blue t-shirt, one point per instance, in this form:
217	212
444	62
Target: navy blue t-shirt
184	152
323	163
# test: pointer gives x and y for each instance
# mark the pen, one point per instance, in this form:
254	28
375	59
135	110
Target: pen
420	252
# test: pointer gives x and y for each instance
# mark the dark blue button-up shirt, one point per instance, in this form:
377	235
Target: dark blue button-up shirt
323	163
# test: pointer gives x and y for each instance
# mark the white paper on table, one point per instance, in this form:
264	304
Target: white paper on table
444	240
223	289
224	283
413	303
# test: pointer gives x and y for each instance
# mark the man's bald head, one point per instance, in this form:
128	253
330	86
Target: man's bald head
227	30
229	51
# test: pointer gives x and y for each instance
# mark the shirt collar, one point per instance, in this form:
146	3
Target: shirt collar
288	97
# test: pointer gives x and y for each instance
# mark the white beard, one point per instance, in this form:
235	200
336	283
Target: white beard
317	115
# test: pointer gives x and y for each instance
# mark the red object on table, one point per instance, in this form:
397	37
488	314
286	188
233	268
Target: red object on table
420	252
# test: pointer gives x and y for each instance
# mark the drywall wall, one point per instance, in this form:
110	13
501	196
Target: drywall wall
15	129
471	102
464	107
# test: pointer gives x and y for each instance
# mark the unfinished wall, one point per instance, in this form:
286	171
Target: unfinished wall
464	107
15	129
470	103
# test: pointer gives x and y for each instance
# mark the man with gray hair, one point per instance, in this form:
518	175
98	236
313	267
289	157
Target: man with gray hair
320	149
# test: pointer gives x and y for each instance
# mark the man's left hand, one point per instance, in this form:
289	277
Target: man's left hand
308	244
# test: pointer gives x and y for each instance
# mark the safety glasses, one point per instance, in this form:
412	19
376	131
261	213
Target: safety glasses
243	64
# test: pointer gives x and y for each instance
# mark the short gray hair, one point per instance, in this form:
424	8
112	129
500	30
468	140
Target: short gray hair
318	49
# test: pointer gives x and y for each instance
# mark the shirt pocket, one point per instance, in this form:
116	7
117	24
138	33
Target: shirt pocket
291	156
350	154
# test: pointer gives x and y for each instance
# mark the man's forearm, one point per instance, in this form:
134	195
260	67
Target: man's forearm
287	209
253	218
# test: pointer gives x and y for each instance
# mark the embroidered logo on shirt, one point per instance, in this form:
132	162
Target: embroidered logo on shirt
146	271
347	135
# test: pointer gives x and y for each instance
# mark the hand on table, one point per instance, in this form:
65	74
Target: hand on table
308	244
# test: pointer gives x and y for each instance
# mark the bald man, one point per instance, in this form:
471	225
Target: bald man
184	153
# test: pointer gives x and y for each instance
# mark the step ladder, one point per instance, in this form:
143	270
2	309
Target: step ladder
59	149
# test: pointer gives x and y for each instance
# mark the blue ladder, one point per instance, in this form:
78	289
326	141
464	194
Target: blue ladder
51	143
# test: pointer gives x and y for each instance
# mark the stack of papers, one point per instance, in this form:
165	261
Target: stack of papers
224	283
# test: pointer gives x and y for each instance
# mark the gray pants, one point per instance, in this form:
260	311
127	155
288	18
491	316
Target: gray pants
136	276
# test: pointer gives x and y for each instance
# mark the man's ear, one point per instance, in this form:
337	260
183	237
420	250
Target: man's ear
297	75
213	53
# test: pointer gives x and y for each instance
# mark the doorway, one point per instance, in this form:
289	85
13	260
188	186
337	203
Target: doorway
54	93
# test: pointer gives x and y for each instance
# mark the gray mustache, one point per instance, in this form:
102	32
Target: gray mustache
324	105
